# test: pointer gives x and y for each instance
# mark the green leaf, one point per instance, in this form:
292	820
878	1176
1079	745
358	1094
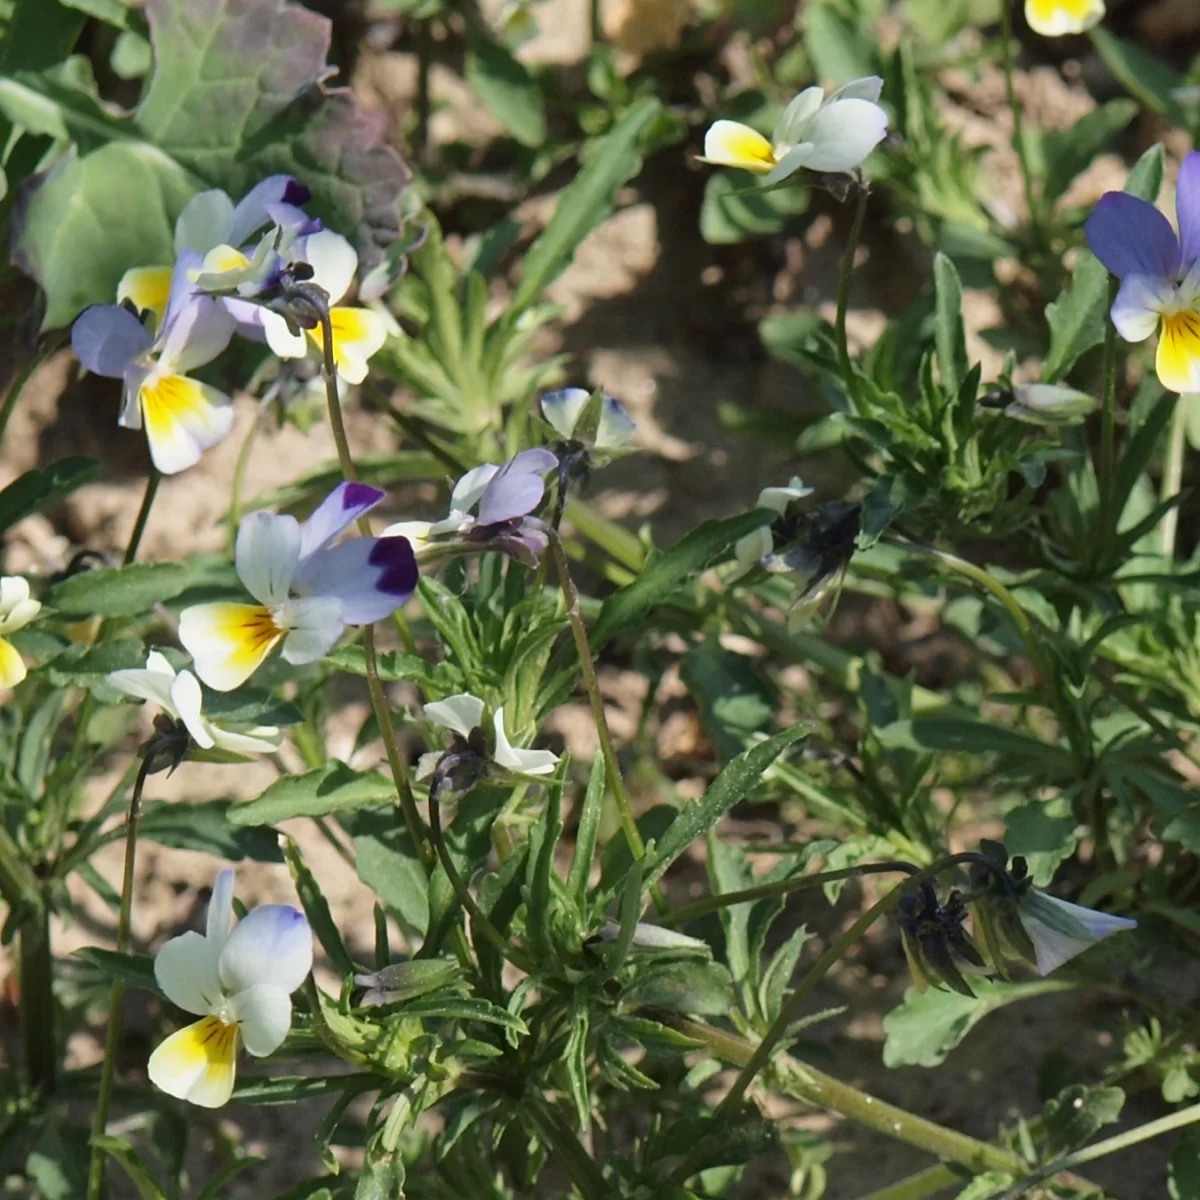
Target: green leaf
736	701
1071	151
204	826
615	158
507	90
316	909
44	487
586	835
250	706
1043	831
705	989
1144	76
1183	1183
392	665
840	50
985	1186
113	12
133	970
397	878
736	208
949	335
981	737
140	1175
1077	1113
120	591
732	785
666	571
290	1089
329	789
928	1025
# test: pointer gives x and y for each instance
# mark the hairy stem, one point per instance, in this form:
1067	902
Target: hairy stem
843	299
117	993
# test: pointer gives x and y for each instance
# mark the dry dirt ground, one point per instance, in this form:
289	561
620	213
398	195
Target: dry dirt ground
667	324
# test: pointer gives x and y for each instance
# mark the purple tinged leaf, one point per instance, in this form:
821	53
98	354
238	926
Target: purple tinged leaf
107	339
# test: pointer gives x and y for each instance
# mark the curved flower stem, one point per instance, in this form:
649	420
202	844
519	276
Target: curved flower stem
1173	472
791	1010
782	887
587	669
139	525
512	953
383	715
1006	47
843	300
117	992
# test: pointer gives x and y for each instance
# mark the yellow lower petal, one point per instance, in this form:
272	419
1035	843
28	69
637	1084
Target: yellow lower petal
198	1063
147	288
228	641
224	258
357	334
1178	361
731	144
12	666
1054	18
183	418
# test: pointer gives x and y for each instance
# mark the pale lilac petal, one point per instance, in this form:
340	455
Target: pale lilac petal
186	971
271	945
1131	237
800	110
1138	306
107	338
267	556
253	210
1187	210
314	624
616	425
336	513
293	223
372	577
220	909
196	327
508	496
264	1015
469	489
562	408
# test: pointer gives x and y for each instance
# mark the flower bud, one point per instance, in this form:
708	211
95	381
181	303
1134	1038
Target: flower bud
406	980
1049	404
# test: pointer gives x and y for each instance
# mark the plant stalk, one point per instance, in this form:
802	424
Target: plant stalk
37	999
553	1129
239	477
1006	44
139	525
843	300
117	993
1173	473
1108	419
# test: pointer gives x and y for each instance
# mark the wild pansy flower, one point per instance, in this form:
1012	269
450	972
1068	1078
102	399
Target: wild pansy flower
179	696
935	941
815	132
755	547
182	417
566	413
239	981
1159	273
1018	921
17	609
1054	18
358	333
307	589
210	221
463	715
491	504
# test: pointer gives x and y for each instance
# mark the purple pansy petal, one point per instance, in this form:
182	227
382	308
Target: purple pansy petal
1187	210
527	543
510	495
337	512
1131	237
196	328
107	338
372	577
294	222
1138	306
616	425
253	209
537	460
271	945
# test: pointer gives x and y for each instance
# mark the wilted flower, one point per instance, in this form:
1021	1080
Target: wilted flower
407	980
754	547
1054	18
358	333
307	589
491	504
606	426
653	937
1159	273
182	416
815	132
936	945
1018	921
179	696
17	609
463	714
239	981
1048	404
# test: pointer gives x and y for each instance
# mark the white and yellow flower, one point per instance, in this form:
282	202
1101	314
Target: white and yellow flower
239	981
754	547
17	609
358	333
180	697
815	132
1055	18
462	714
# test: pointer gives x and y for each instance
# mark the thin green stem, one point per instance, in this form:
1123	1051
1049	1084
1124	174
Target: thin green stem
239	477
1173	473
843	300
1108	421
587	668
780	887
1007	42
139	525
379	705
117	993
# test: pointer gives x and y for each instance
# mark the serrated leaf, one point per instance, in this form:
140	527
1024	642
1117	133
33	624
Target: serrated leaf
43	487
120	591
398	879
1043	832
1077	1113
329	789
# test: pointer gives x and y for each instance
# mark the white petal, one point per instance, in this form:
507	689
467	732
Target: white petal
844	133
283	342
272	945
526	762
228	642
1060	930
562	408
160	664
752	549
870	87
265	1014
145	685
220	909
461	713
261	739
183	418
314	624
471	487
14	590
417	533
793	159
1139	305
198	1063
789	129
426	764
779	498
333	261
204	222
188	699
267	556
186	970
